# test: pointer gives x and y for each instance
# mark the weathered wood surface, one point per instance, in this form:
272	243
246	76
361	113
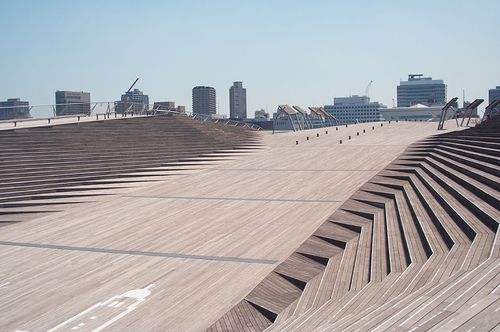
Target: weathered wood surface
201	241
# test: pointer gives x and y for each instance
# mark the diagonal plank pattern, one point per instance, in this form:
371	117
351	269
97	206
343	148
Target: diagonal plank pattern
42	169
415	248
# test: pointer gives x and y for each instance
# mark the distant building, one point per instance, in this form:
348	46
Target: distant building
72	103
14	108
355	109
168	106
290	118
319	118
238	101
164	105
421	90
417	112
494	94
204	100
133	101
261	114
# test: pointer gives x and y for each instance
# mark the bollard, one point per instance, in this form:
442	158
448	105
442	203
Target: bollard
48	120
296	142
381	125
349	136
340	141
97	116
78	118
317	135
307	137
397	121
346	126
15	123
389	121
336	128
373	127
115	115
326	132
364	131
357	134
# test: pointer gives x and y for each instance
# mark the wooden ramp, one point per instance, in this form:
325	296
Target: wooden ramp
45	169
415	248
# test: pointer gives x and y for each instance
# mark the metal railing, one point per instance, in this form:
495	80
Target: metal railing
103	111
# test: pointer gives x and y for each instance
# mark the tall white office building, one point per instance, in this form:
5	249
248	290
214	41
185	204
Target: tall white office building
421	90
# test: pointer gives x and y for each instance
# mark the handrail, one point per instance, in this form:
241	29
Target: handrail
106	109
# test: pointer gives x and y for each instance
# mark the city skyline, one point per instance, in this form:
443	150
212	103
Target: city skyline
322	51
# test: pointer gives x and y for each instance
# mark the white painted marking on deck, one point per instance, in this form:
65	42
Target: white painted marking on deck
5	284
139	295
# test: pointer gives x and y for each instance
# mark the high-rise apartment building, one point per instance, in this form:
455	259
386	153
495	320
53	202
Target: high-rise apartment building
204	100
132	101
421	90
238	101
72	103
14	108
355	109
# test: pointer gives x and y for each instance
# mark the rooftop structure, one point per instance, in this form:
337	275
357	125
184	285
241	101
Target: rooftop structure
396	228
421	90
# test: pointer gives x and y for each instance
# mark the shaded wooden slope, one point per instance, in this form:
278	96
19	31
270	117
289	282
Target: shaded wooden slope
414	248
43	169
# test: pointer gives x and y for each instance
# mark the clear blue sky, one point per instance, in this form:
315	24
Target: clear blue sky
296	52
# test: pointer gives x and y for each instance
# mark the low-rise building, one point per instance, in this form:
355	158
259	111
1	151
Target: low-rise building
417	112
72	103
355	109
14	108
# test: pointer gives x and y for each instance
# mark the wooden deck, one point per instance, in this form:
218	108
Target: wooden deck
198	245
423	254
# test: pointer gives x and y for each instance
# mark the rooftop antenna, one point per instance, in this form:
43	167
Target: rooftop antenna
132	85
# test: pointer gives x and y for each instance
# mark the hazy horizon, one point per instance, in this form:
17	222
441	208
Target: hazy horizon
294	52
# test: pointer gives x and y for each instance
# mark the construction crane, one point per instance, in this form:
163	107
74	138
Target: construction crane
367	90
132	85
